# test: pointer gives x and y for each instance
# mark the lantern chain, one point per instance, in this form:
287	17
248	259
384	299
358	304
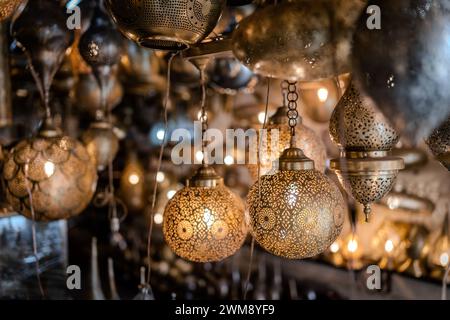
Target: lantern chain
292	98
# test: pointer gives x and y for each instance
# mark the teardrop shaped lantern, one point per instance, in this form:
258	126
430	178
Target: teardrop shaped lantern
101	143
298	40
297	212
403	66
365	137
204	221
166	25
439	143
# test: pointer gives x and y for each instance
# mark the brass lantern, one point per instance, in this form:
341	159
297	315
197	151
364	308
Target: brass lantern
439	143
365	137
7	8
205	221
132	184
101	143
51	174
166	25
307	140
298	212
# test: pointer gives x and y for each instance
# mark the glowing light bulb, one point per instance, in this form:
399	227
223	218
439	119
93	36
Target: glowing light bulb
199	116
49	168
322	94
158	218
228	160
208	217
134	179
199	156
444	259
389	246
334	247
160	177
352	245
160	135
170	194
261	117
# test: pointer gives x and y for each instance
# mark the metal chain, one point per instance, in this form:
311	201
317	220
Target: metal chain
204	114
292	97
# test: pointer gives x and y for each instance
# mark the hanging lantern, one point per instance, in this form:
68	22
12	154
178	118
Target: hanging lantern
297	212
166	25
294	39
52	171
439	257
204	221
439	143
132	184
7	8
365	169
101	143
307	140
403	66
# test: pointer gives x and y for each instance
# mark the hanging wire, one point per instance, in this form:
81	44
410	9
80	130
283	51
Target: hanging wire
252	246
33	232
161	153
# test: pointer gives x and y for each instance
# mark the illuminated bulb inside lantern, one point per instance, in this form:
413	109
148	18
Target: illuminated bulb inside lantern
261	117
158	218
352	246
389	246
228	160
160	177
322	94
199	116
49	168
199	156
208	217
334	247
134	179
444	259
160	135
170	194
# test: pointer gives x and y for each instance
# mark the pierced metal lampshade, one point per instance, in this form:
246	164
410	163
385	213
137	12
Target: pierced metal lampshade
101	143
300	212
365	169
7	8
293	40
166	25
404	66
56	170
439	143
205	221
306	139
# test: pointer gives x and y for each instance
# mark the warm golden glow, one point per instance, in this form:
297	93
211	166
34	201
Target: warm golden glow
160	177
228	160
352	245
261	117
170	194
322	94
134	179
443	259
158	218
49	168
334	248
389	246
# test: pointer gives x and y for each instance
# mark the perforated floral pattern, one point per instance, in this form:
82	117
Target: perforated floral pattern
205	224
357	126
57	171
439	141
7	8
299	213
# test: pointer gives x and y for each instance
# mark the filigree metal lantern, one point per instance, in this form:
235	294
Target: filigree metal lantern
101	143
7	8
365	137
51	173
205	221
439	143
132	184
403	66
166	25
299	39
297	212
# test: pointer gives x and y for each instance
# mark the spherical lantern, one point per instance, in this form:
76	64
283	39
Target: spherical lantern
439	143
205	221
101	143
166	25
306	139
404	66
52	171
7	8
294	40
298	212
365	169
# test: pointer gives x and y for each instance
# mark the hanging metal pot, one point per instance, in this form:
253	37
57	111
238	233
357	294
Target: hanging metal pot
404	65
439	143
166	25
298	39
